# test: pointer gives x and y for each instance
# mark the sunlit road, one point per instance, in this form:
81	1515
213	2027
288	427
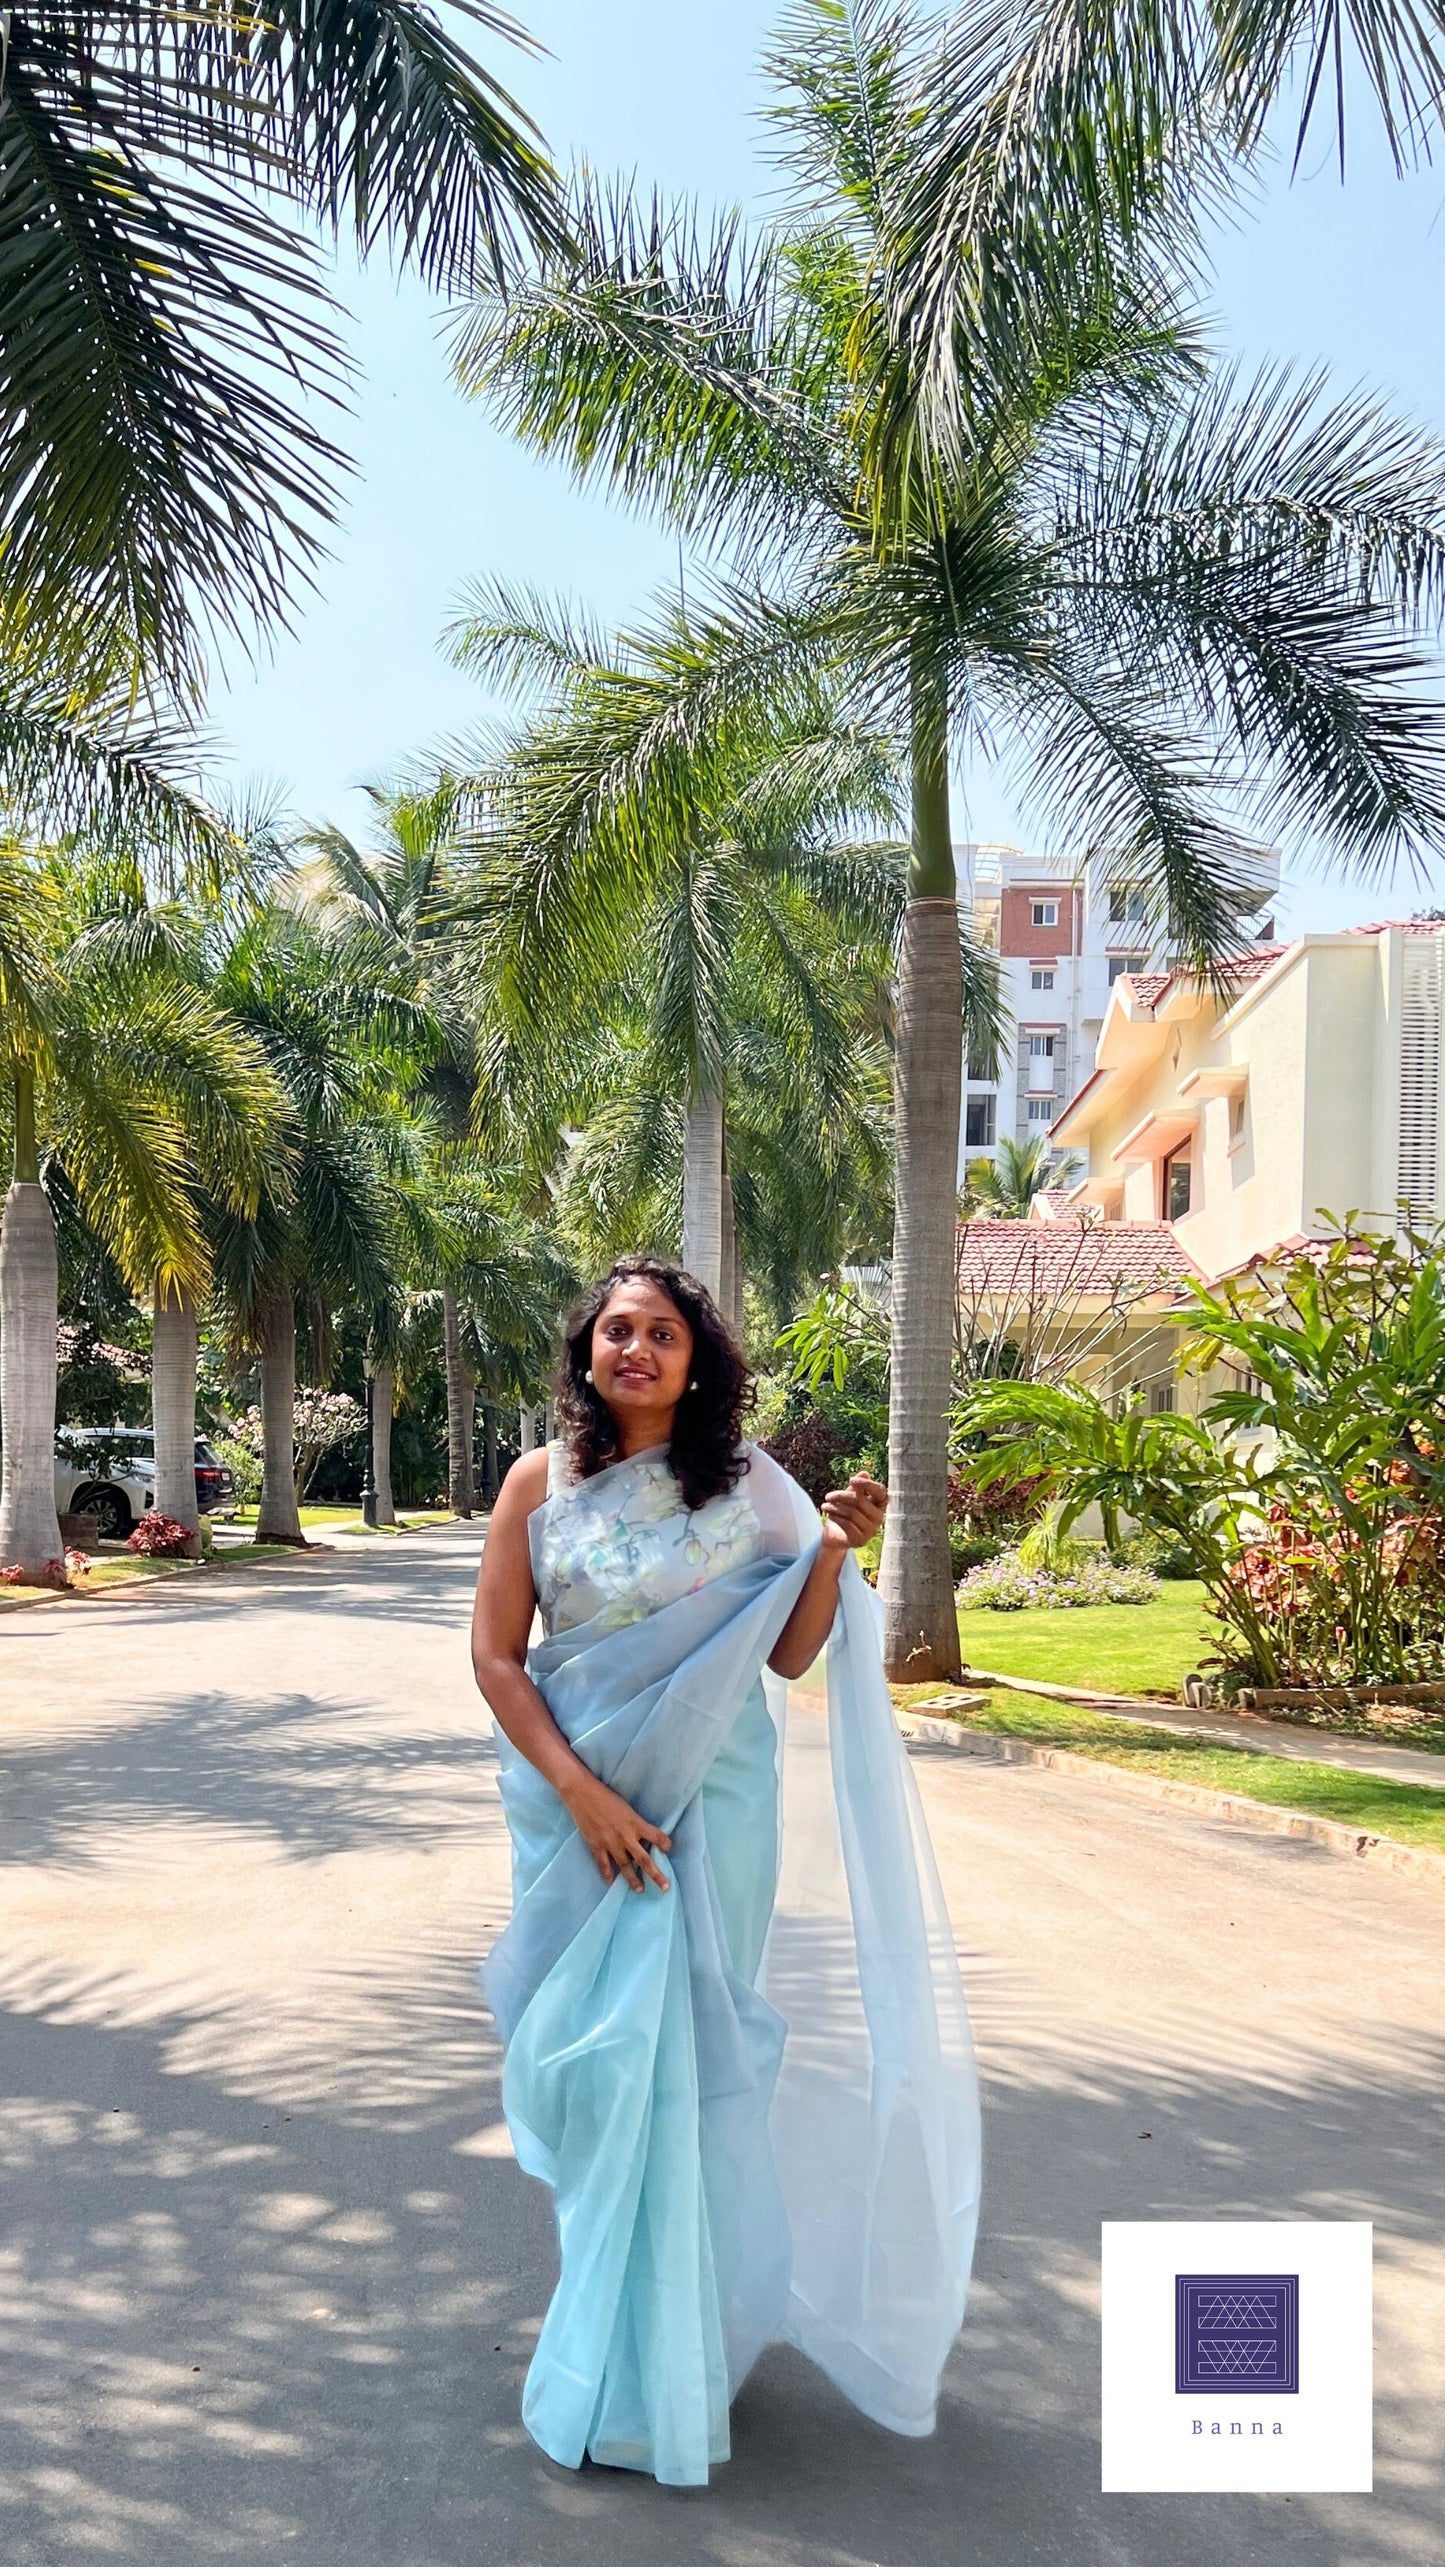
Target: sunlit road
269	2277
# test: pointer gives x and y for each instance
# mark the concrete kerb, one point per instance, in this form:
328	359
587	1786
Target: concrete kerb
1417	1862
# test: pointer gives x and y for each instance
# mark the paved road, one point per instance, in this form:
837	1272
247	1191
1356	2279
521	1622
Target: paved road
269	2278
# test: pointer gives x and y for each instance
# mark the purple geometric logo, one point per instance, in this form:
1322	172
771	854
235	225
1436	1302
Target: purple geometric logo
1236	2332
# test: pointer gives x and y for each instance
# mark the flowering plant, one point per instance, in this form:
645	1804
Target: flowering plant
161	1537
1004	1585
1309	1491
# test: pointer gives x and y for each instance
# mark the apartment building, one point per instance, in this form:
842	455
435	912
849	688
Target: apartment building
1065	935
1313	1086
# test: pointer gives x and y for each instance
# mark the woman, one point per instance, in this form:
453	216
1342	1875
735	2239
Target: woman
736	2041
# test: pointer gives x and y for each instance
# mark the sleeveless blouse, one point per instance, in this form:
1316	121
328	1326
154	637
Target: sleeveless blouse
618	1545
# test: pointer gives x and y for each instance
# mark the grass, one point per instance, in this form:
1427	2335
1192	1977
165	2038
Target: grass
1408	1813
334	1513
1112	1648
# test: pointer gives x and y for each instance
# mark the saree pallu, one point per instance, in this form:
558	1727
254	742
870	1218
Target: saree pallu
754	2095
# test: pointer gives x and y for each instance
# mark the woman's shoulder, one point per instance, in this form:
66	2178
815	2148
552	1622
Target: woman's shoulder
525	1486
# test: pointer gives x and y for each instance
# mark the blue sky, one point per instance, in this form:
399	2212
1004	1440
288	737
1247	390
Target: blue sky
1353	276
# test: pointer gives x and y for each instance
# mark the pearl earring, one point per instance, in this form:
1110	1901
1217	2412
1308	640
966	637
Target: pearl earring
588	1374
692	1385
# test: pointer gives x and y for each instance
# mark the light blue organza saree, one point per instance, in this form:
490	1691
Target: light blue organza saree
753	2095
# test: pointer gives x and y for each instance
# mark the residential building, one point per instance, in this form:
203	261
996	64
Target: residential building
1065	933
1312	1086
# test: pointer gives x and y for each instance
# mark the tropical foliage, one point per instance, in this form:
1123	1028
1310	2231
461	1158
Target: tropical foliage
1182	600
1309	1493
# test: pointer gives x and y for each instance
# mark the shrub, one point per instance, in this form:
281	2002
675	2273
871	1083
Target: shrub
809	1450
160	1537
243	1462
1004	1585
1164	1553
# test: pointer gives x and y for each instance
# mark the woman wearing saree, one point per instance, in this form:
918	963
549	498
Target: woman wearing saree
737	2046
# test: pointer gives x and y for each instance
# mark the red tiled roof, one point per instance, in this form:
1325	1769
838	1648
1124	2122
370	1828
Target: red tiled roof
1411	926
1069	1256
1149	987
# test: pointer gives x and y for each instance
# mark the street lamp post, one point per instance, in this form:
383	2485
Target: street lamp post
368	1484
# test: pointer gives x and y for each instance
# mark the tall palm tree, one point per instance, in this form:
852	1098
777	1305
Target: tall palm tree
1005	1188
1168	596
658	857
124	1085
169	333
394	896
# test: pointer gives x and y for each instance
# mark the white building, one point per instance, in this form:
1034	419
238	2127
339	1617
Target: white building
1064	934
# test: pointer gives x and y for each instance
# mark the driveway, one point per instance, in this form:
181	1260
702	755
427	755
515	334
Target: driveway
269	2277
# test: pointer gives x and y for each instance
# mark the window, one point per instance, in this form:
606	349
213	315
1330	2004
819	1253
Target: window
1041	1064
1121	963
979	1065
1178	1172
1041	1109
1127	904
1041	979
1162	1400
1236	1120
980	1122
1044	913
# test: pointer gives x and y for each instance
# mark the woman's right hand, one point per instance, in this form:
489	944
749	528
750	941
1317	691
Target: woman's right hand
618	1840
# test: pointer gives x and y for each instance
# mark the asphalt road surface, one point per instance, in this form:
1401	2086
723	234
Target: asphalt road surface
269	2277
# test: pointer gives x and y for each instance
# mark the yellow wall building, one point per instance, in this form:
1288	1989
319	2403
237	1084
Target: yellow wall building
1311	1086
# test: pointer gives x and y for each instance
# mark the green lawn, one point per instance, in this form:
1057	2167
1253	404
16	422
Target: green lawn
1114	1648
1411	1813
336	1513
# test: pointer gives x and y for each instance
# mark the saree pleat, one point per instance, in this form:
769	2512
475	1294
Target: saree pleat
753	2096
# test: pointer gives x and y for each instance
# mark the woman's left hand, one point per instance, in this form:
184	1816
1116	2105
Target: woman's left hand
852	1515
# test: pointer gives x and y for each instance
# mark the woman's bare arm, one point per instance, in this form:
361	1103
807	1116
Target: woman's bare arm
850	1516
506	1601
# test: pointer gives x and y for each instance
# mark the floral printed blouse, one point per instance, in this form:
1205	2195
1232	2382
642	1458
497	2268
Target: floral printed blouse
621	1544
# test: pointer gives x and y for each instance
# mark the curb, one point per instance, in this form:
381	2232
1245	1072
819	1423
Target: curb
1416	1862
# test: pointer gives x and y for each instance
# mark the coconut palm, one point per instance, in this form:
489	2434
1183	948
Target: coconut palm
1170	599
1004	1188
169	332
122	1085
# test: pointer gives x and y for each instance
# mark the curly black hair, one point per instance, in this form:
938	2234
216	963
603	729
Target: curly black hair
704	1454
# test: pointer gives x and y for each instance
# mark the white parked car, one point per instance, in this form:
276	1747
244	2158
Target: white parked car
110	1472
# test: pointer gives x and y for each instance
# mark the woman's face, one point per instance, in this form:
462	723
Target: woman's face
641	1351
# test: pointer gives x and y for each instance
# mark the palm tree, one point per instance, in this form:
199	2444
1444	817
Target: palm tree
343	1039
658	859
168	334
394	896
1004	1188
1167	595
122	1083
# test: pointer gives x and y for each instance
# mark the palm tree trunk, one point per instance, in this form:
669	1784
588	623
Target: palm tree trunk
383	1402
461	1407
915	1579
29	1307
490	1482
702	1167
727	1263
278	1518
173	1408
